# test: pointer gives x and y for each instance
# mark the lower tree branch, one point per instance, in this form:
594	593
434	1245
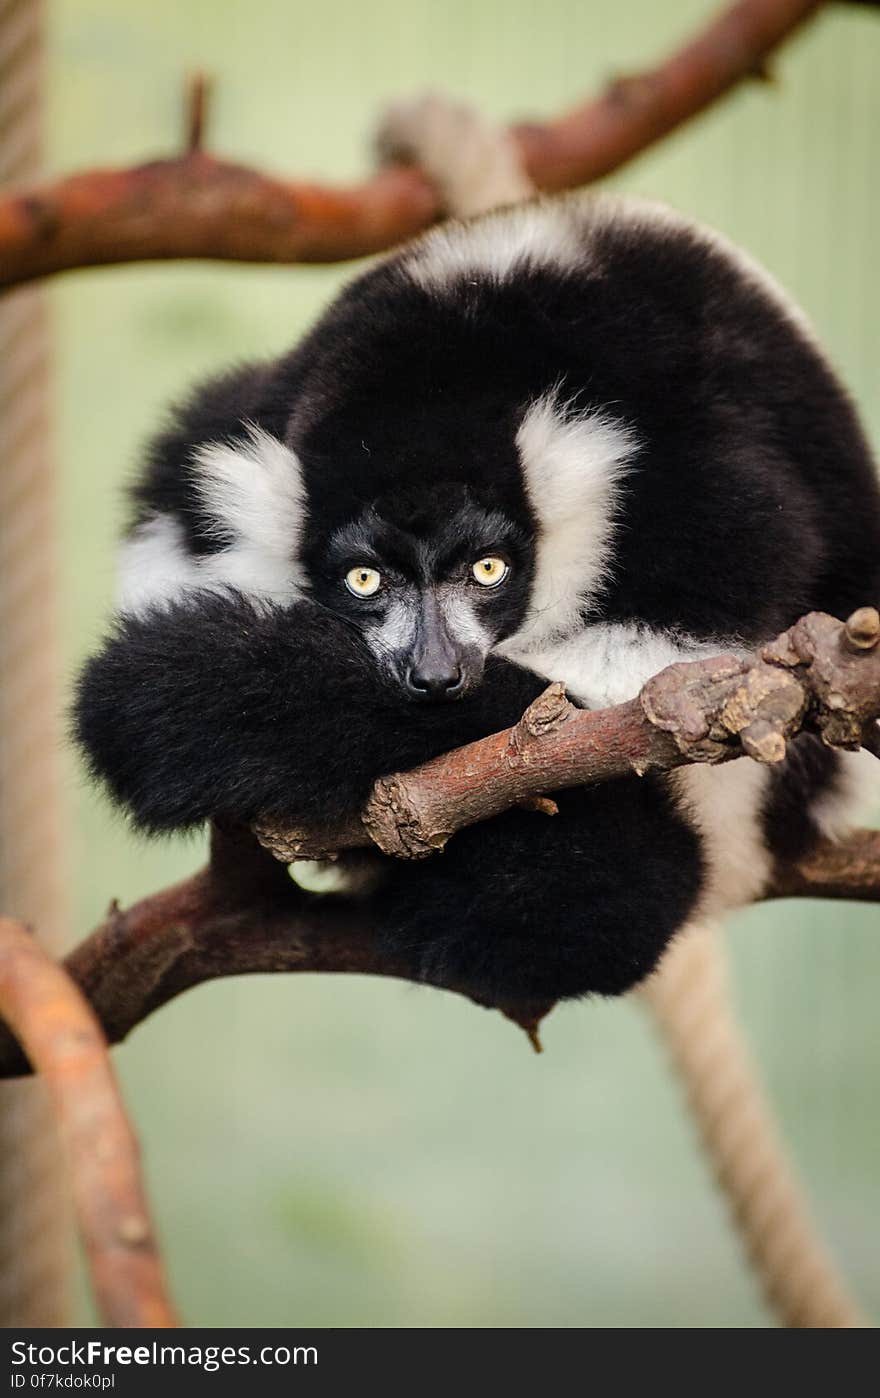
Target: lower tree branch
243	915
843	869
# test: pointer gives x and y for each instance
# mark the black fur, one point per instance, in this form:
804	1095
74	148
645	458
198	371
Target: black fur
752	500
215	708
218	710
529	908
810	770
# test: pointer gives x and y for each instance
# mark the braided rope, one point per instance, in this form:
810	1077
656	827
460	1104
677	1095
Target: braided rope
691	1002
33	1225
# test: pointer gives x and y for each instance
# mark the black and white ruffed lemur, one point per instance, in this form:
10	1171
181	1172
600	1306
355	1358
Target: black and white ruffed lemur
576	439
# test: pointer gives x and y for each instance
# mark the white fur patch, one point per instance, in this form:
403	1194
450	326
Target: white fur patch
499	244
559	234
155	566
352	877
461	618
252	491
609	662
255	491
475	164
853	797
572	465
395	632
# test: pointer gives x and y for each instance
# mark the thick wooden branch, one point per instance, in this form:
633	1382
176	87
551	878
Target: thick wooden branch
60	1034
639	109
241	915
822	675
244	914
842	869
196	206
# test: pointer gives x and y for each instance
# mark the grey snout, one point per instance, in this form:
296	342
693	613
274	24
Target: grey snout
440	668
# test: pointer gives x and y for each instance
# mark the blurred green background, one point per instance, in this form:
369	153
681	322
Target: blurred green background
346	1152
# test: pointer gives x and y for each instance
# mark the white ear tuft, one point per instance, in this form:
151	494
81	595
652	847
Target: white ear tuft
254	496
253	490
155	567
573	464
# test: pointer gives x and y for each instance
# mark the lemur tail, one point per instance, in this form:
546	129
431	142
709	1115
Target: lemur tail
691	1002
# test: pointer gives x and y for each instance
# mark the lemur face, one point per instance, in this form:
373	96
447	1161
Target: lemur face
433	582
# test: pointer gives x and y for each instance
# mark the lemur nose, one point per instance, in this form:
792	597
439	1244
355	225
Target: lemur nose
424	682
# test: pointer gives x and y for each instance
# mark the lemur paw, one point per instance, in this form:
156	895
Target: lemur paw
474	164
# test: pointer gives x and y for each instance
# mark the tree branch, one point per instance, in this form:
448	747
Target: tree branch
841	869
638	109
196	206
63	1040
243	914
822	675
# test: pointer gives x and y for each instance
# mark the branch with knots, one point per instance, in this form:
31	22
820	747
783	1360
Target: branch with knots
197	206
244	914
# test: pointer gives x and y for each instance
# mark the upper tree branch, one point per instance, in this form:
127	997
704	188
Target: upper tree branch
197	206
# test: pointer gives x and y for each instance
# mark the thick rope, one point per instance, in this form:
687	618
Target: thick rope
692	1005
33	1216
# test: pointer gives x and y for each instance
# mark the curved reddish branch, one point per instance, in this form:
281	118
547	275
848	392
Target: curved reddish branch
241	915
244	914
639	109
62	1038
197	206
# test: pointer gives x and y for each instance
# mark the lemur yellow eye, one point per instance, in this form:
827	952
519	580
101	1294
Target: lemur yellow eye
363	581
489	572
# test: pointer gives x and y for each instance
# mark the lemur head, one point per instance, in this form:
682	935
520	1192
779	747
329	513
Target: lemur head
433	580
458	471
435	464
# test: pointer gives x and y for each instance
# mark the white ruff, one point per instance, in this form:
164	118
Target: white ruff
252	491
608	662
499	244
572	466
